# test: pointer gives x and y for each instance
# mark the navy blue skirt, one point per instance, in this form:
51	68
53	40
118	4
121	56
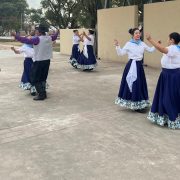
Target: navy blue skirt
25	80
165	109
75	55
87	63
137	99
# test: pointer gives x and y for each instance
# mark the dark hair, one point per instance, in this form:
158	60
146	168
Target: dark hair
132	30
91	31
175	36
42	29
74	31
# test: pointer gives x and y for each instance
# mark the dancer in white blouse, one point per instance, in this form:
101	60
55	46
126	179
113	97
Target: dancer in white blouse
165	109
133	93
75	49
87	59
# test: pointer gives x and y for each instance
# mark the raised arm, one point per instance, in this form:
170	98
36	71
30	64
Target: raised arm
34	40
15	50
80	37
54	36
120	51
86	36
157	45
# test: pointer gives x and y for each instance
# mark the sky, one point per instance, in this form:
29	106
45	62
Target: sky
34	3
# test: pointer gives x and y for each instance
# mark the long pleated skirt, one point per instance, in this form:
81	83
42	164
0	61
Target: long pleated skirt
26	76
165	110
137	99
87	63
74	55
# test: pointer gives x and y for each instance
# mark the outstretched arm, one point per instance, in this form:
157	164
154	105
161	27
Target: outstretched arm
15	50
157	45
34	41
120	51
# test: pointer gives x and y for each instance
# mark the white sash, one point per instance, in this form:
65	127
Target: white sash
79	48
132	75
85	51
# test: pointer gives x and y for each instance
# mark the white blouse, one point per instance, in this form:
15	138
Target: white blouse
28	52
76	39
134	51
89	42
171	60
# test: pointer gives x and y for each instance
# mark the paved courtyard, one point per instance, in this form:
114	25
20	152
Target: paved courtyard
78	133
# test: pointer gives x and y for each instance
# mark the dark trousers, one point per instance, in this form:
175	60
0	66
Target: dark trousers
39	74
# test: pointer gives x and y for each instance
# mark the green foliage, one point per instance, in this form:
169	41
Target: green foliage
11	14
82	13
62	13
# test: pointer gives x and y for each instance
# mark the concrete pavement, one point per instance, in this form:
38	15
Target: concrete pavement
78	133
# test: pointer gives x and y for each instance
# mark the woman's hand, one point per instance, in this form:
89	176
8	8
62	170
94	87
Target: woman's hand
148	36
116	43
12	48
13	34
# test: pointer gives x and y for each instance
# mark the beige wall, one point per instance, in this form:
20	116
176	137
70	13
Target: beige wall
114	24
66	40
160	19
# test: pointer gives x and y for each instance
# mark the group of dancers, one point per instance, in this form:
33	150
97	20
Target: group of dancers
133	92
85	59
37	49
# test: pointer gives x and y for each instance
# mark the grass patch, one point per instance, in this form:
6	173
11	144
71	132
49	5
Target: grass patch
56	47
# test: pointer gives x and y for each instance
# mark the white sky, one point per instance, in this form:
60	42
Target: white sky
34	3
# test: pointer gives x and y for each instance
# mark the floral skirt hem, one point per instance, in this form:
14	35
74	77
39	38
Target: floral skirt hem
164	120
84	67
133	105
73	62
25	86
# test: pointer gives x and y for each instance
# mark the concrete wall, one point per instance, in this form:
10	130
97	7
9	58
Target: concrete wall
114	24
66	40
160	19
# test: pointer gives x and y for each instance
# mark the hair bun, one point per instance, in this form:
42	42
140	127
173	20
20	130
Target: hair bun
91	31
130	31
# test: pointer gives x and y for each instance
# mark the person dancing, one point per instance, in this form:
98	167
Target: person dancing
42	45
165	110
133	92
28	52
75	49
87	60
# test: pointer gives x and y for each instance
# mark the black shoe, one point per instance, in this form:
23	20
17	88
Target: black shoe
142	110
40	98
90	69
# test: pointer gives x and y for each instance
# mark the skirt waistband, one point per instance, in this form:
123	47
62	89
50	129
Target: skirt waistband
170	70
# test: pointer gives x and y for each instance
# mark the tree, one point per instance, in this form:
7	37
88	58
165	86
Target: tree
82	13
35	17
62	13
12	15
